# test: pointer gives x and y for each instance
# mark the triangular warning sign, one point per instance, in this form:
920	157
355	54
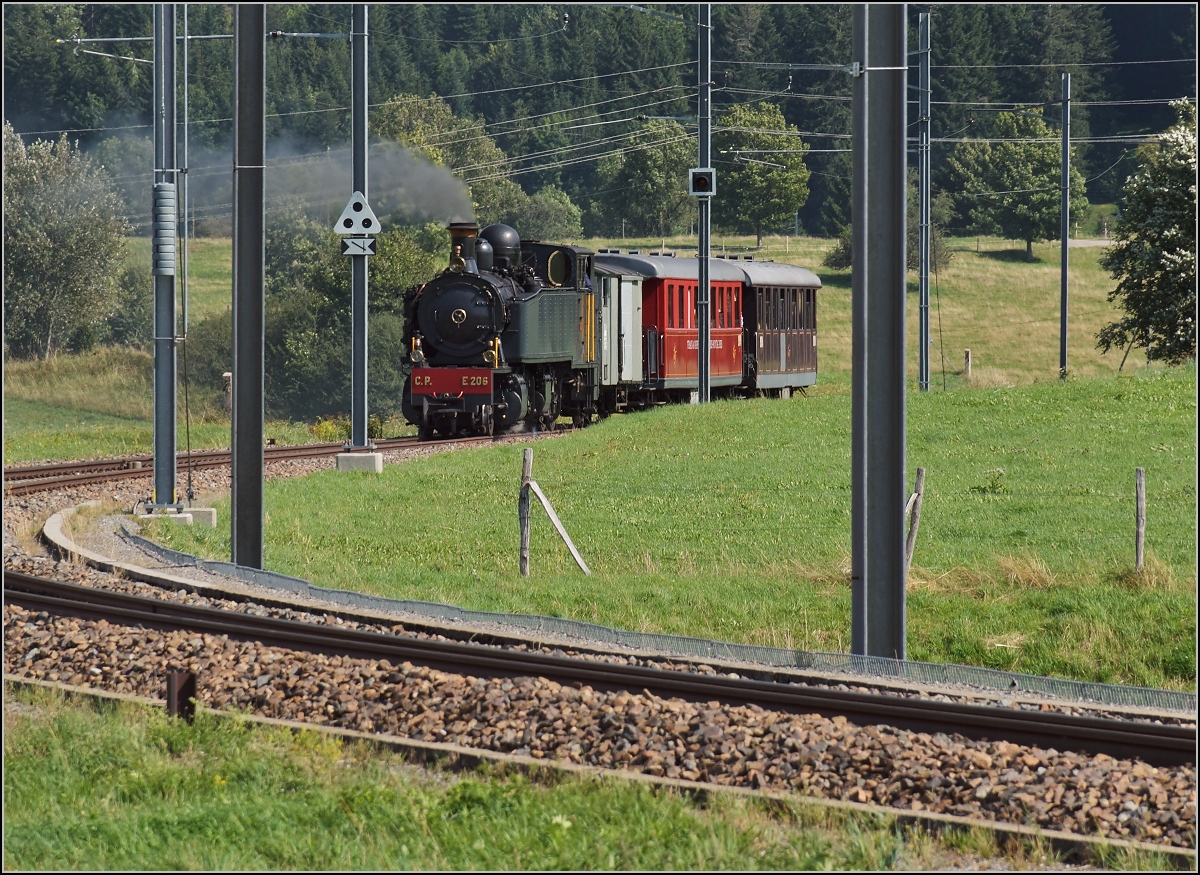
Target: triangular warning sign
357	218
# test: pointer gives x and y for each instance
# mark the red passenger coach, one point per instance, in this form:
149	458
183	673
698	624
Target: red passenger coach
671	337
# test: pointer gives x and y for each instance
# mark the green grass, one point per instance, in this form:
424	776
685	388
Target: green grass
732	522
988	300
210	273
124	788
100	404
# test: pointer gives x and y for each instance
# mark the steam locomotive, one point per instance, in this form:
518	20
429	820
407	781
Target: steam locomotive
517	333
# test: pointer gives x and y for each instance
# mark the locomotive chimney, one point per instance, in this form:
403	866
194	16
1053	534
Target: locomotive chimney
462	244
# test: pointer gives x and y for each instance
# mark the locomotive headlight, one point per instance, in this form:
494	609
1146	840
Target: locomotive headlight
417	356
489	358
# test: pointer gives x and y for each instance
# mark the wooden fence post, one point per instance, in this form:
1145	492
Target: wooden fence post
915	519
1140	541
523	508
966	362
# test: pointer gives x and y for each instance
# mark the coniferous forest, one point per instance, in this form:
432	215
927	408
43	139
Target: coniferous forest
579	106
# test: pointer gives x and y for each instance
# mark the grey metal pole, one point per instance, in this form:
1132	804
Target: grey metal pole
879	286
925	224
858	344
704	286
249	151
1065	220
183	184
165	224
358	268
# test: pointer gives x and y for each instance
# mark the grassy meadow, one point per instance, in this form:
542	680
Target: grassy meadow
693	519
732	521
100	404
116	787
988	300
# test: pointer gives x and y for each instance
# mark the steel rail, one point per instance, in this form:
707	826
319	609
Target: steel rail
23	480
1164	745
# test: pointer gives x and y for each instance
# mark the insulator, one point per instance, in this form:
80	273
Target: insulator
165	221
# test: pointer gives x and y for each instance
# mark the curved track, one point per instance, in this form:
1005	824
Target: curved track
1163	745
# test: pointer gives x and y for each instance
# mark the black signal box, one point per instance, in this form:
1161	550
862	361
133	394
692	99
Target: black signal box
702	182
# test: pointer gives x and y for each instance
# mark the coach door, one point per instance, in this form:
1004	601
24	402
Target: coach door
629	362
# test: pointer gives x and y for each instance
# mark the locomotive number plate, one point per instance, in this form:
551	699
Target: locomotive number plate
451	381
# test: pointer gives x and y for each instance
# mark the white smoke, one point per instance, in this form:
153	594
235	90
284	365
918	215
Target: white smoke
402	187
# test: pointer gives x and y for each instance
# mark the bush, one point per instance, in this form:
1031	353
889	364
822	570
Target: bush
131	322
63	246
331	429
841	256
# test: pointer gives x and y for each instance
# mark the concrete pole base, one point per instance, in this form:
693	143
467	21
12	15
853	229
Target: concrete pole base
372	462
204	516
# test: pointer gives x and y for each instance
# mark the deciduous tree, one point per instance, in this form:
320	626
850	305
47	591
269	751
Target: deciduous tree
1012	186
63	245
762	179
1154	257
645	184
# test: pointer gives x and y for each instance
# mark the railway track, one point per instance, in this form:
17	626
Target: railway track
1160	745
608	712
27	479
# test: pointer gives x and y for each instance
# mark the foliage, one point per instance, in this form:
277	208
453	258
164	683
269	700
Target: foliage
430	128
308	328
940	209
1013	188
63	244
841	256
548	215
129	163
131	322
1154	256
644	187
48	86
766	181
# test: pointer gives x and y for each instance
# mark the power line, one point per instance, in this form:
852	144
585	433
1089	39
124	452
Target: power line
1058	66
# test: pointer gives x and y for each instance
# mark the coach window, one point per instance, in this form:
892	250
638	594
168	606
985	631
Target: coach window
671	306
683	320
737	310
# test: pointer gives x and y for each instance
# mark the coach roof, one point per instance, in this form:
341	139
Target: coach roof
754	273
667	267
770	273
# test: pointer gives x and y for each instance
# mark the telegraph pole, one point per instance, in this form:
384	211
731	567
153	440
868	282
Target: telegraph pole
1065	221
165	218
925	224
358	286
359	226
703	289
249	156
879	66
